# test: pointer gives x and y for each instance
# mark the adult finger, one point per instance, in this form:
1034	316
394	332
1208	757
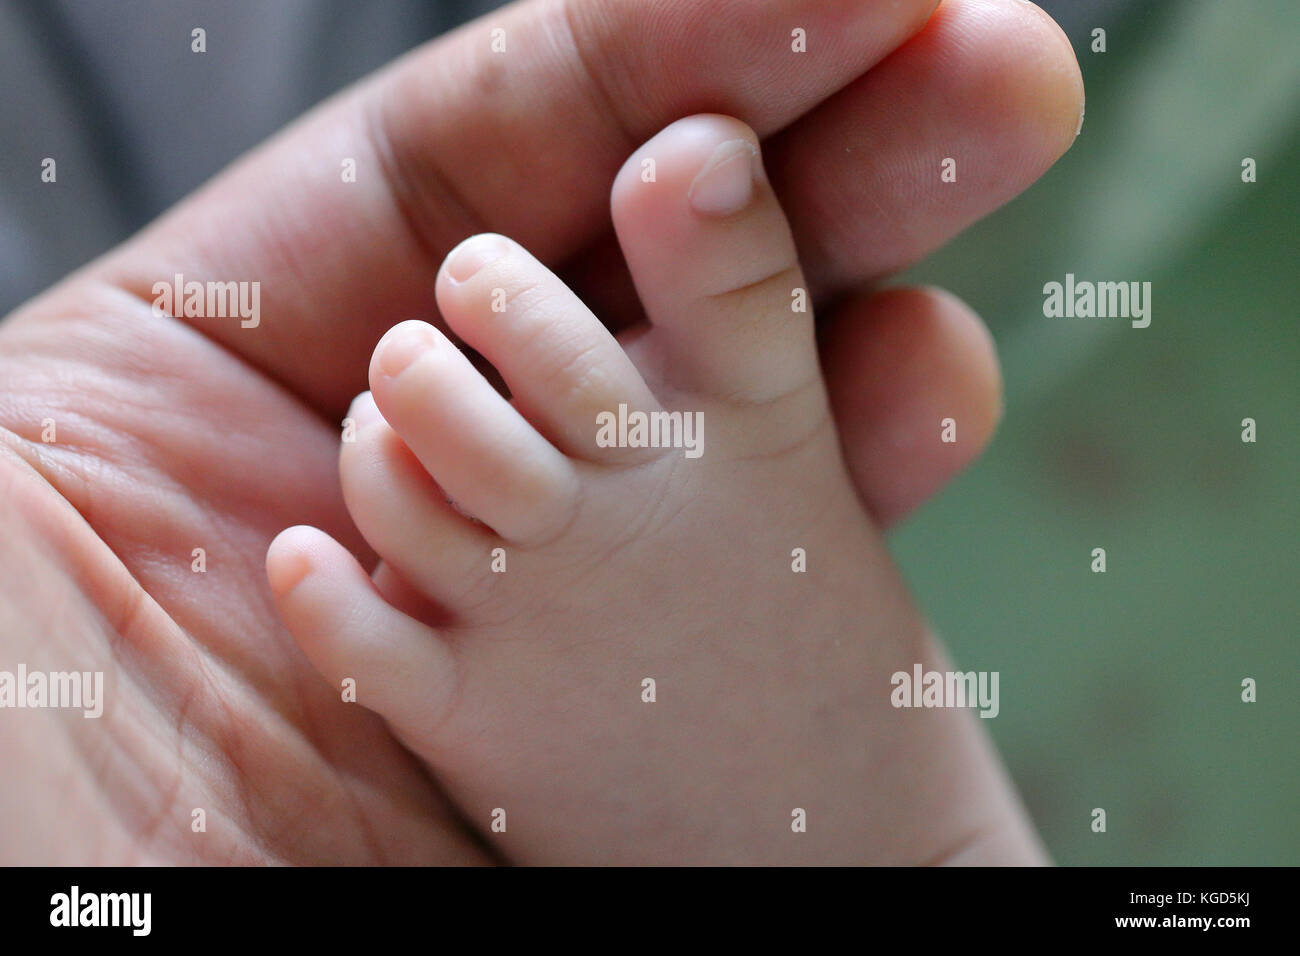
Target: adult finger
906	369
516	123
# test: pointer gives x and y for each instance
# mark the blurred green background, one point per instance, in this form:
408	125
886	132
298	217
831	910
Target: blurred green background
1123	690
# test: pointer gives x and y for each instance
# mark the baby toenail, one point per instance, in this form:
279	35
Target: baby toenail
288	572
363	411
473	254
404	347
725	184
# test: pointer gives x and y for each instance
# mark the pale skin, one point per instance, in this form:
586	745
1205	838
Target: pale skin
522	688
175	434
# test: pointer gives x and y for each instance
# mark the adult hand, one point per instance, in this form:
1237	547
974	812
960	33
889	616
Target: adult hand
129	440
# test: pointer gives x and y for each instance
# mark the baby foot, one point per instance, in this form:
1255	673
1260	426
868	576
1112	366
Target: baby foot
660	626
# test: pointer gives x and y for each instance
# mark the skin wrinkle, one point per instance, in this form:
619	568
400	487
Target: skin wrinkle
170	796
160	476
118	632
413	203
607	105
99	756
139	450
